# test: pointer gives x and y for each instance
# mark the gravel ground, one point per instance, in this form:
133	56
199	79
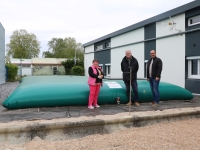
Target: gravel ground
179	135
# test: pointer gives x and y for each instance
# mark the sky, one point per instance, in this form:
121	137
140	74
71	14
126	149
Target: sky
85	20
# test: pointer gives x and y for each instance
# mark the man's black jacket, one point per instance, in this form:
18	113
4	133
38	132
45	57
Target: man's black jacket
125	67
156	67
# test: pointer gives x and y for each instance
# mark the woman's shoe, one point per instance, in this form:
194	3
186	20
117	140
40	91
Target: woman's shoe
97	106
90	107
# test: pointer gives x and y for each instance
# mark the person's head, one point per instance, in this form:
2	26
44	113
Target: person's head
95	62
153	53
128	54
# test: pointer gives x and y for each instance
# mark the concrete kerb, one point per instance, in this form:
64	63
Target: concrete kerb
67	129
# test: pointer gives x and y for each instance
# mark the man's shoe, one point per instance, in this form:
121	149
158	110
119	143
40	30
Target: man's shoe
90	107
137	104
152	103
97	106
129	103
155	105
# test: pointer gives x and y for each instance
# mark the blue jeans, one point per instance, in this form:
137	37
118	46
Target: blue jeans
154	89
135	89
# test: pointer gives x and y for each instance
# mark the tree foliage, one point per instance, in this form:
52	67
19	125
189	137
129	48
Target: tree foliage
12	71
77	70
23	45
64	48
69	64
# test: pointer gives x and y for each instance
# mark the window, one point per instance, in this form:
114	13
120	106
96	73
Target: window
26	66
145	68
107	69
99	47
107	44
194	20
194	67
101	65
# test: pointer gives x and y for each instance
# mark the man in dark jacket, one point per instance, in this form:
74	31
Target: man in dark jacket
154	69
127	62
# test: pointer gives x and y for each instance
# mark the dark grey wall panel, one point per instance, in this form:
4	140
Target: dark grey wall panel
193	44
148	46
192	85
189	14
192	12
103	57
150	31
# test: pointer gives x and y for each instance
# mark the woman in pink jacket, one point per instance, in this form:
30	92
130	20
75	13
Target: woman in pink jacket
94	81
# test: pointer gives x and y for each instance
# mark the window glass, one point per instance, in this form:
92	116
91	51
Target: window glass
99	47
194	20
194	67
107	45
145	69
108	70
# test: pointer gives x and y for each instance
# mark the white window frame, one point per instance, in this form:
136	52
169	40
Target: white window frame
101	65
189	24
190	67
106	69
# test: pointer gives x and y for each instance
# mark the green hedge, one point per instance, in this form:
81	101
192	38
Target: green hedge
77	70
12	72
69	64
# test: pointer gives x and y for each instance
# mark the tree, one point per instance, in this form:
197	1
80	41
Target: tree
77	70
23	45
64	48
68	64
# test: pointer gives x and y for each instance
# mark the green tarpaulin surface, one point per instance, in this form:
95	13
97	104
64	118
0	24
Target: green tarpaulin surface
51	91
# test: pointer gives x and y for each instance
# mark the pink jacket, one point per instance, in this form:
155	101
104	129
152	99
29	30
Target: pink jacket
91	81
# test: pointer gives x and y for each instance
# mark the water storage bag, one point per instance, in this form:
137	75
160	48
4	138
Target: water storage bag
52	91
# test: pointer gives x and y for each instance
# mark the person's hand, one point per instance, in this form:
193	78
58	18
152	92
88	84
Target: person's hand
100	77
157	78
148	79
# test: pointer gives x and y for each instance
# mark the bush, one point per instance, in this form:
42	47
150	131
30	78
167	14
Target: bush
68	64
80	63
77	70
12	72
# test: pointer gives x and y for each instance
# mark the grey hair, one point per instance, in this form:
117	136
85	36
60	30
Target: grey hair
153	50
128	51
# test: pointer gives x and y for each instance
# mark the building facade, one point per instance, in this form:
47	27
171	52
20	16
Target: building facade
175	35
2	54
